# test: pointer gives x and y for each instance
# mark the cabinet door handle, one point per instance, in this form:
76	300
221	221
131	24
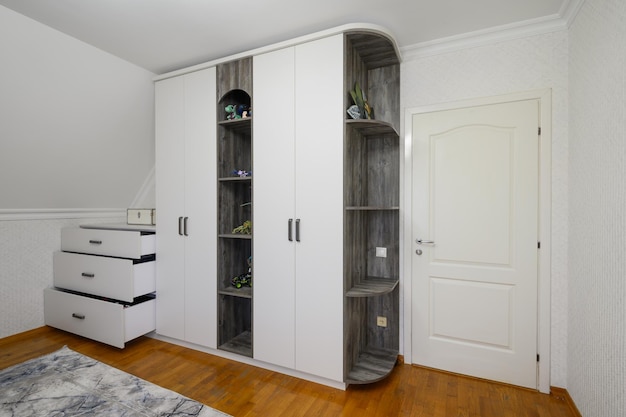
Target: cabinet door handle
180	226
289	232
185	226
95	242
297	230
78	316
87	275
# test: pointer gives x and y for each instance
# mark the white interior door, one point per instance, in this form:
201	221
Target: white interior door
475	197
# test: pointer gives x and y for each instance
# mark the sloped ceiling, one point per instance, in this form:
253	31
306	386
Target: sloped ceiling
164	35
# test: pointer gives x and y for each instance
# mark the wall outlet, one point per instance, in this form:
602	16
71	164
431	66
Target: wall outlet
381	321
381	252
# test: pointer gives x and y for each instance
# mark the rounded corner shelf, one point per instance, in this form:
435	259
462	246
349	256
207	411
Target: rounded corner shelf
372	287
370	127
372	365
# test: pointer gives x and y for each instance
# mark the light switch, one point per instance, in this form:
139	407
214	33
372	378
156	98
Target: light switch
381	252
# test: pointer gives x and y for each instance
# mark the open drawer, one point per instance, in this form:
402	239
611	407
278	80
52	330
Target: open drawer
106	321
117	278
118	243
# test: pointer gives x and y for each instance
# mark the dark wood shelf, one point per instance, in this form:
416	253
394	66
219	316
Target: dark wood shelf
240	344
234	236
372	287
372	208
368	127
373	364
235	179
243	292
244	124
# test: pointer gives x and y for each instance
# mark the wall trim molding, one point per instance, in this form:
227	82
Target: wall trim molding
539	26
63	213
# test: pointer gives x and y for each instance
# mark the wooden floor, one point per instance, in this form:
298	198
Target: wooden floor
243	390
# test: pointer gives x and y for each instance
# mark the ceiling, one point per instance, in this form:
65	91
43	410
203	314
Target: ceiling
164	35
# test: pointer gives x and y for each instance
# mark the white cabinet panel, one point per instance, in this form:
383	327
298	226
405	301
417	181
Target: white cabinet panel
274	208
200	208
170	203
319	205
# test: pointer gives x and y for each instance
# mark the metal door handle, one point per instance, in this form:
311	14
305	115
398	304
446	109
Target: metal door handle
185	226
425	242
78	316
95	242
87	275
289	227
180	226
297	230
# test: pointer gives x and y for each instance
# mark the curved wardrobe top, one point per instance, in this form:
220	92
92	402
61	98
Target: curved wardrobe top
358	28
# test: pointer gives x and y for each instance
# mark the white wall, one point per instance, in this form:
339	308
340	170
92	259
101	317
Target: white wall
597	193
534	62
76	123
76	137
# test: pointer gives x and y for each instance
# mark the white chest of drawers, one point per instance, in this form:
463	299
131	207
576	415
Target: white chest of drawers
104	283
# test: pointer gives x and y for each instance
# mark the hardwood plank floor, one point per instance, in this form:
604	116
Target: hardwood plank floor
243	390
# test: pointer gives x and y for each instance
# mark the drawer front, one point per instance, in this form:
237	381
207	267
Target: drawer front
106	322
115	278
120	243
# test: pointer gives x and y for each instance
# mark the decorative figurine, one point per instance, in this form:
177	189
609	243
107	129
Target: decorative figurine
242	173
237	111
244	279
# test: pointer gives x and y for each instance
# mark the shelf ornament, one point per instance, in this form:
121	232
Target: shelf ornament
242	173
244	229
237	111
361	108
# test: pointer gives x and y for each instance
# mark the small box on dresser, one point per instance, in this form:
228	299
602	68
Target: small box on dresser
104	283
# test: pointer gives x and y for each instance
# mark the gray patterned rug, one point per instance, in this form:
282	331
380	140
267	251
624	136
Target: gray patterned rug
66	383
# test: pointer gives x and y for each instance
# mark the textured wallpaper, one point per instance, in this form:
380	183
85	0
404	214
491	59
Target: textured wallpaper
529	63
26	269
597	246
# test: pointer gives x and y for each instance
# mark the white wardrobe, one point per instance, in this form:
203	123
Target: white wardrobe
301	317
185	115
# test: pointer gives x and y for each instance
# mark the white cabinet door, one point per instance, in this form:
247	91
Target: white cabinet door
201	208
274	207
298	158
170	203
185	199
319	206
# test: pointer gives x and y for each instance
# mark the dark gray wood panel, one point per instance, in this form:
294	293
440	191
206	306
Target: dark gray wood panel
234	75
371	209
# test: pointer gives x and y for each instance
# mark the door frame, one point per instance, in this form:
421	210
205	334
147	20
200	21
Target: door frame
545	209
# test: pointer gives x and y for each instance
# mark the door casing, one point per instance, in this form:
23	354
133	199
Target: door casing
545	208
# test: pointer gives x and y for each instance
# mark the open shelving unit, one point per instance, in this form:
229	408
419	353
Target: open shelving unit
234	141
371	211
